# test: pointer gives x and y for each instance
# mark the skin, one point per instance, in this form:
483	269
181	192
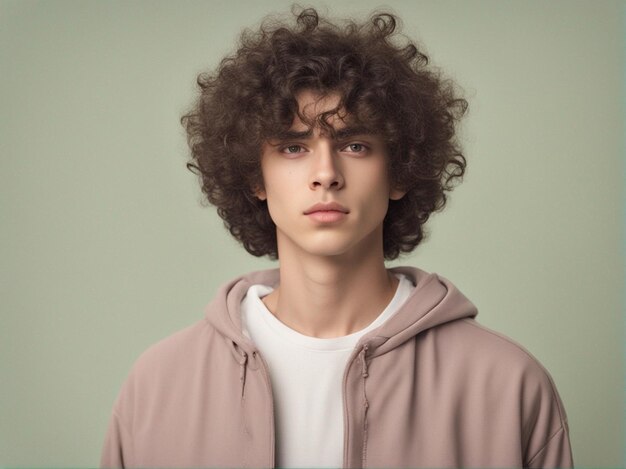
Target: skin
333	278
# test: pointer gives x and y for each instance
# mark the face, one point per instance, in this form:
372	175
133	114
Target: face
327	197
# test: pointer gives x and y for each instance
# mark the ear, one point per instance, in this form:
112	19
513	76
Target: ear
396	194
260	194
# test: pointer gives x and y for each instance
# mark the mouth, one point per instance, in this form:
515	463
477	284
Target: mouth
329	207
327	213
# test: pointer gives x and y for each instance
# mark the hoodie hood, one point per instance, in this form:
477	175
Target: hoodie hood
434	301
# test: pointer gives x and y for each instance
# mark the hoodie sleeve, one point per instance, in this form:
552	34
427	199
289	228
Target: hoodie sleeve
117	438
548	441
556	452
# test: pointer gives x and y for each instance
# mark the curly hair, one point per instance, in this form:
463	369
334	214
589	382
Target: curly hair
387	87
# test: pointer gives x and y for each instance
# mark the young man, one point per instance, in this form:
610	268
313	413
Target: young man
328	147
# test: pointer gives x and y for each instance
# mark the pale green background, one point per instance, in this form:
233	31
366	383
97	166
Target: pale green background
105	248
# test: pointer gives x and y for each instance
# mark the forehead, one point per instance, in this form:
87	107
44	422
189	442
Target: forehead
312	104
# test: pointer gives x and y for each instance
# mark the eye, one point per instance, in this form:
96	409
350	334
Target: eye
290	149
355	148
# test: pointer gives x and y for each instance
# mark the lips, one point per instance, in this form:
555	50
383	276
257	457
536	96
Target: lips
327	207
328	213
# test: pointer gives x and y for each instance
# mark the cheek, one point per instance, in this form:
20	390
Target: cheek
284	182
280	188
375	180
281	193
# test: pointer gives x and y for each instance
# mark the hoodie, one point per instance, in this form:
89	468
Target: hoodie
430	387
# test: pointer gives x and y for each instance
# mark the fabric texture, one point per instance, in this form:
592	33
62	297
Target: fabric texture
306	375
428	388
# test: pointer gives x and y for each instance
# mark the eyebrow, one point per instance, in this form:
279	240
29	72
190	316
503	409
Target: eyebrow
351	131
339	134
293	135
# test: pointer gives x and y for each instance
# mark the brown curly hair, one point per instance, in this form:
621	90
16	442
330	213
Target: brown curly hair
388	88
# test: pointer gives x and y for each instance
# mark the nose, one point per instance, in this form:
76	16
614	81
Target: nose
325	171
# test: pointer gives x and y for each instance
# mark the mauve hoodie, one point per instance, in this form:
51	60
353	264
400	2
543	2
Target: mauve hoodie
428	388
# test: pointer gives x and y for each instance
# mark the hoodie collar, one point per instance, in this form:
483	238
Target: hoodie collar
434	301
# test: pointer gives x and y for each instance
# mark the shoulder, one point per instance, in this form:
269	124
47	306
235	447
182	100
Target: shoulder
181	354
495	339
483	362
521	382
498	367
185	342
170	364
503	359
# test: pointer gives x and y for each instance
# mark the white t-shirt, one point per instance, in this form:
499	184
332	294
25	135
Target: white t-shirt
306	375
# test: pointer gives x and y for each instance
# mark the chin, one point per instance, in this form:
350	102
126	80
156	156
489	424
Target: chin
323	249
329	244
337	249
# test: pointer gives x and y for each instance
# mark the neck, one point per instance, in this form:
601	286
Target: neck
331	296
